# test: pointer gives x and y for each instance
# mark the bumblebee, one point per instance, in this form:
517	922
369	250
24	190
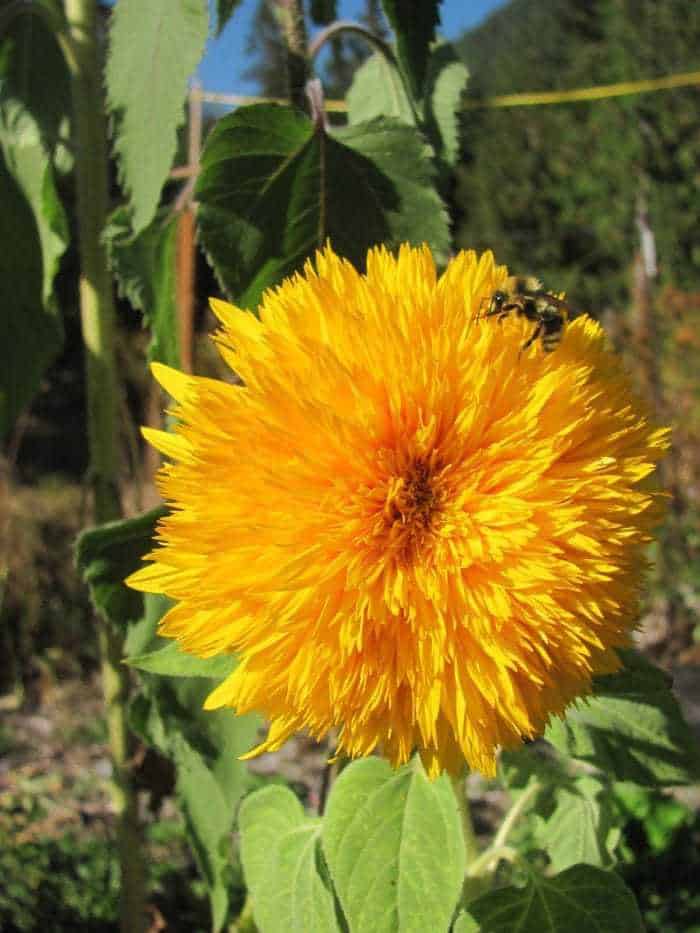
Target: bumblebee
525	296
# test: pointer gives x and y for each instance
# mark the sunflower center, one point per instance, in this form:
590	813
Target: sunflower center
412	502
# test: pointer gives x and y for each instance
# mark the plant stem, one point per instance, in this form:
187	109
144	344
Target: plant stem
498	848
472	887
97	319
514	814
471	846
350	28
378	44
291	17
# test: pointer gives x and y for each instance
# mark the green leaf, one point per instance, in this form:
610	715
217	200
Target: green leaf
282	864
30	334
35	103
142	636
32	171
582	827
224	11
446	82
34	230
632	728
154	47
144	266
171	661
582	899
273	187
414	25
378	91
465	924
107	554
394	846
205	747
660	815
208	823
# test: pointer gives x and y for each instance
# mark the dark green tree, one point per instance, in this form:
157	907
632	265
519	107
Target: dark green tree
554	188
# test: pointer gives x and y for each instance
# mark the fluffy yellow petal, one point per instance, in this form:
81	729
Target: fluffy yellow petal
408	528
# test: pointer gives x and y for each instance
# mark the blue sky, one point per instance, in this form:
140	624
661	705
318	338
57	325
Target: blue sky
224	60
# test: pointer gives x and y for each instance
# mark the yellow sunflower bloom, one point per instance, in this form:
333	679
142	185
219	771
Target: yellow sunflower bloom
407	529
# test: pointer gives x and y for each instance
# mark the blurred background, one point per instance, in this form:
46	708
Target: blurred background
599	199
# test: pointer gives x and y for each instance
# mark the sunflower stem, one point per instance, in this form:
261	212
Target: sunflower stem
97	319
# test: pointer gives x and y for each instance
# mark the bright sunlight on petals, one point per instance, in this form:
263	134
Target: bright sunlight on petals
409	531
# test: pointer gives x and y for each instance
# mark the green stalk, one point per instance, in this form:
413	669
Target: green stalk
471	846
472	887
97	318
290	15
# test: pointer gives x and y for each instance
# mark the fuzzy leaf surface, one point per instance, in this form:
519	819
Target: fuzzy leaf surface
378	91
582	899
144	265
153	49
394	847
632	728
273	188
283	865
581	828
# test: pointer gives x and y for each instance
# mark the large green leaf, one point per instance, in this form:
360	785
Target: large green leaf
35	101
33	230
582	899
632	728
30	335
107	554
224	11
378	91
282	863
144	265
154	47
394	846
274	186
414	25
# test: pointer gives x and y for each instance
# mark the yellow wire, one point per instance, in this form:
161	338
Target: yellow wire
599	92
526	99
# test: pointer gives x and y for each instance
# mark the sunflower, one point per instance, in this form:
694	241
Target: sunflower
408	531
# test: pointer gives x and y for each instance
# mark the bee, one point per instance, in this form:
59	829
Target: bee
524	295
